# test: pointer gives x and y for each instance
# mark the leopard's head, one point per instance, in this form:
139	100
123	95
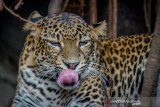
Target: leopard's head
66	47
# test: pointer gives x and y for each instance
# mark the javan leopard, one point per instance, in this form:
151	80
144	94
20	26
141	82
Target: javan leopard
67	63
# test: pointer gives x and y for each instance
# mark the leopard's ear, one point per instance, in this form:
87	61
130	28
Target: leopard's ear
100	30
35	18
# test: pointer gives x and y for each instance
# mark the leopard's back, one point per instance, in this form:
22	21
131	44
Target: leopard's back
125	58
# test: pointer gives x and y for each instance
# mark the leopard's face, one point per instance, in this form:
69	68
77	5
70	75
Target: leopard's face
65	42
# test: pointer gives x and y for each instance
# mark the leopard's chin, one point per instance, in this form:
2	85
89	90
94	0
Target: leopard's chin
69	86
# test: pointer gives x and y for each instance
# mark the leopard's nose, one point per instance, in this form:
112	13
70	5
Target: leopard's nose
71	65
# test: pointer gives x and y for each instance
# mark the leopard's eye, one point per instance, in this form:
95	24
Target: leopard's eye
56	44
83	43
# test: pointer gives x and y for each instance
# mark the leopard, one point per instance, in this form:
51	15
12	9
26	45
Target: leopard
66	62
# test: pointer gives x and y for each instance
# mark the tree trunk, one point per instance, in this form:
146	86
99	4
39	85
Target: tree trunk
112	18
55	6
147	14
151	74
93	11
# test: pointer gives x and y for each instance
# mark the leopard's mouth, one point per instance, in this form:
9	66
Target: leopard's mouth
68	79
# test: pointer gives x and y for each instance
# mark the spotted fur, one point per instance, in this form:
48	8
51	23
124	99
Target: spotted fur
125	59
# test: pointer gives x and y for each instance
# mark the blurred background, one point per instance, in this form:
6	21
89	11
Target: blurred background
133	17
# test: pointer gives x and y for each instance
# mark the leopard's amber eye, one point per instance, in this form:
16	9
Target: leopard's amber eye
83	43
56	44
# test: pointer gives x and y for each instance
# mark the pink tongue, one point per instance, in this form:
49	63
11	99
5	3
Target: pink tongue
68	76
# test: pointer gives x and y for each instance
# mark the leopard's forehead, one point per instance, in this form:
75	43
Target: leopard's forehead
67	25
